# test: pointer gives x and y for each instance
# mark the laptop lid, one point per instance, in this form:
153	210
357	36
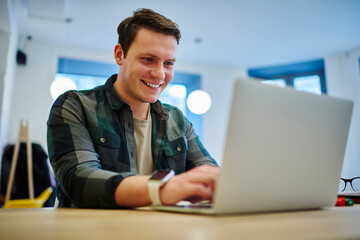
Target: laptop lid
284	149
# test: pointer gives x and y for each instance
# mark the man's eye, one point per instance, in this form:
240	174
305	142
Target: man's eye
169	64
146	59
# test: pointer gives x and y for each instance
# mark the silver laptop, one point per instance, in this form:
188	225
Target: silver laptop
284	151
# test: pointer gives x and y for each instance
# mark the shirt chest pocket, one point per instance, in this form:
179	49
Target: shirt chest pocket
107	146
175	153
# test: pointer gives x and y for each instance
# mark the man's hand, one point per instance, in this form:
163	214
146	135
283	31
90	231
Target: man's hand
197	184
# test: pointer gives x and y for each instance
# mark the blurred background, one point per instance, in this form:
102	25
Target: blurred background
311	45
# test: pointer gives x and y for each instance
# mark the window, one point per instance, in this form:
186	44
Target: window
308	84
175	94
83	82
305	76
275	82
88	74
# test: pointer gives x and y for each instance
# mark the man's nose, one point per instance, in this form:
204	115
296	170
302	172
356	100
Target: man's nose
158	72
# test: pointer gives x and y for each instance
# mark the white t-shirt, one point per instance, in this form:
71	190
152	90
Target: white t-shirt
142	134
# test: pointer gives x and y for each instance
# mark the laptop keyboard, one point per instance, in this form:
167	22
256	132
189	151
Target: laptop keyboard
194	205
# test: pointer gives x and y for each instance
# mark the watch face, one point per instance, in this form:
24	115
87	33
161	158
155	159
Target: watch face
160	174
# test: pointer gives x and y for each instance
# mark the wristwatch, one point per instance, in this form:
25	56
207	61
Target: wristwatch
158	179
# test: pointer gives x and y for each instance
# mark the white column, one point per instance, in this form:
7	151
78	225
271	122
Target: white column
343	80
8	47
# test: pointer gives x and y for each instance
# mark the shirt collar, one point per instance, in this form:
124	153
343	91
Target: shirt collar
116	102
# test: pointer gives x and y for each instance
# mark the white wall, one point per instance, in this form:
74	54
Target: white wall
343	80
31	99
8	46
218	83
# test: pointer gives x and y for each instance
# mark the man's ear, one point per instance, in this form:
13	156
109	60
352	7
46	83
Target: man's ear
118	54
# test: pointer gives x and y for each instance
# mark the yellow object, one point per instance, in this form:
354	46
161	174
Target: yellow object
30	203
23	137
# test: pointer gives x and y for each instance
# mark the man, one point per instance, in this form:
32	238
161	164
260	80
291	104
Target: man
104	143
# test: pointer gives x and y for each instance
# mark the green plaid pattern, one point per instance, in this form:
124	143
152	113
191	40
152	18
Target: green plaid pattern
91	144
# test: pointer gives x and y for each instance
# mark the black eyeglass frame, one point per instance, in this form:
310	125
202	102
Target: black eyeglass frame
350	180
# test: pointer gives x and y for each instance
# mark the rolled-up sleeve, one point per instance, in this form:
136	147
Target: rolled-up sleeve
196	153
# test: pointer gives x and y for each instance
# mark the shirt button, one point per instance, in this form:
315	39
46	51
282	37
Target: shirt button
178	149
102	140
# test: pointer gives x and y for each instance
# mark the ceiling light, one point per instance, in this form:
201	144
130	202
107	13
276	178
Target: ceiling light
199	102
61	85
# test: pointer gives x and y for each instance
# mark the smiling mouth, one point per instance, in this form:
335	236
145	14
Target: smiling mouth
152	85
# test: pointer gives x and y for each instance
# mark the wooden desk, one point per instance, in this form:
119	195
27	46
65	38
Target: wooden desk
49	223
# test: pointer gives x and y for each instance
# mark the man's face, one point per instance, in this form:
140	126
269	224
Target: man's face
148	66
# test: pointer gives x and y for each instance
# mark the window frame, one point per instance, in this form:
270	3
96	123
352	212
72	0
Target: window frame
290	71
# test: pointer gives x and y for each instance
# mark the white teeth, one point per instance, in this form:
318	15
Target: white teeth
152	85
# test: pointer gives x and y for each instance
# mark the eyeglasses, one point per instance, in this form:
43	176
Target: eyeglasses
354	183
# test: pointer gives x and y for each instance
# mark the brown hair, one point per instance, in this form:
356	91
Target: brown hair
145	18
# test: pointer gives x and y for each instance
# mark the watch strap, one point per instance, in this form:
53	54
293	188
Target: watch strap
156	182
154	193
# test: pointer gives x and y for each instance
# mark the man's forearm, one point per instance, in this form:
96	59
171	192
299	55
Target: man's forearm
133	192
197	184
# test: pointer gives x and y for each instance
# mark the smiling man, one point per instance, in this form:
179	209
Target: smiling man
116	145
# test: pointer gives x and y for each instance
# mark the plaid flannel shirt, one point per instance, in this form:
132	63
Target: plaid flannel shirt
92	148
